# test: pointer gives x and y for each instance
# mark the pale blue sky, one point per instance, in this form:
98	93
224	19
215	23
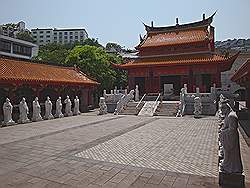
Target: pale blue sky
120	21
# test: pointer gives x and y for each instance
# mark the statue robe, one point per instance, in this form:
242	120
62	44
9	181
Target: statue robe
229	138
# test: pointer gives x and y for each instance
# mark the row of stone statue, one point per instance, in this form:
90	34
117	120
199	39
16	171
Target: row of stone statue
36	115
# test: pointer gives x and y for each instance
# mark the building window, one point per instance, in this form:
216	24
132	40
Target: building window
60	33
76	37
65	33
5	46
34	32
65	37
41	41
55	33
47	40
21	50
41	36
47	31
55	38
48	36
71	33
71	37
34	37
41	32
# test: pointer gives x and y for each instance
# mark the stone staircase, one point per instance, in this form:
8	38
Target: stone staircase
149	108
167	108
130	108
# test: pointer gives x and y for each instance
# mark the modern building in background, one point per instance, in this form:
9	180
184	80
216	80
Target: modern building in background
63	36
17	48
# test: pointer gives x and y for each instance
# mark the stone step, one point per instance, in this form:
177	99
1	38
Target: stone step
167	109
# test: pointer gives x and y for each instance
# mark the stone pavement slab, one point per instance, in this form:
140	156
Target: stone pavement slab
178	145
43	154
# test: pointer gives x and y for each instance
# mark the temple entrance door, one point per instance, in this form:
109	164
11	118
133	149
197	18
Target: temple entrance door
140	81
206	81
173	79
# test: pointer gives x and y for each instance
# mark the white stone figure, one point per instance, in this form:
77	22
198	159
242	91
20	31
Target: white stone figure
197	107
48	109
181	105
104	92
7	113
76	110
229	138
24	111
112	92
115	90
68	103
126	91
59	113
36	116
137	97
103	106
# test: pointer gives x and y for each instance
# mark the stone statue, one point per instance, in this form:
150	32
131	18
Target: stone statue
229	138
68	103
137	97
36	116
59	113
103	106
197	107
7	113
76	110
24	111
48	109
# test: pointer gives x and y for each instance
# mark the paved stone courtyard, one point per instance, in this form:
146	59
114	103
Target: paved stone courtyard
110	151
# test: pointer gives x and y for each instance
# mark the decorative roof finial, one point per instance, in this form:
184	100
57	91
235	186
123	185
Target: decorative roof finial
204	17
141	39
152	24
177	21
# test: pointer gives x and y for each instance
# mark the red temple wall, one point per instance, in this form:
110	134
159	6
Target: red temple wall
190	75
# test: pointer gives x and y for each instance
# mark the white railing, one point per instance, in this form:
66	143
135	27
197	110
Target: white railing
156	103
140	102
123	102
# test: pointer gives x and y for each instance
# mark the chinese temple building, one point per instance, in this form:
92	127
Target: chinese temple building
242	77
177	55
23	78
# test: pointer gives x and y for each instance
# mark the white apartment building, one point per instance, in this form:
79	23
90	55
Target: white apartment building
13	47
63	36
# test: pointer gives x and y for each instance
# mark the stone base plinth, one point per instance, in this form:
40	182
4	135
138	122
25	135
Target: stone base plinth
231	180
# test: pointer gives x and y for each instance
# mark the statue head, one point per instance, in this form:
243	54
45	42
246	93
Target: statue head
76	97
67	97
7	100
102	100
23	99
48	98
59	98
36	98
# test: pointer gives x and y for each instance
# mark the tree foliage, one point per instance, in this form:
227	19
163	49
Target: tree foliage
114	47
53	53
94	62
25	35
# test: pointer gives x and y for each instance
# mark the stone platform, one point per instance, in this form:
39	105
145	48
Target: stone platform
111	151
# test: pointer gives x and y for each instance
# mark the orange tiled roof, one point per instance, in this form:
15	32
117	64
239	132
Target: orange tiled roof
21	70
242	75
179	60
173	38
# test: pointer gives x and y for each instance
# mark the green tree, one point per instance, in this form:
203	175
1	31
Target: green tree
95	63
113	46
91	42
25	35
53	53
